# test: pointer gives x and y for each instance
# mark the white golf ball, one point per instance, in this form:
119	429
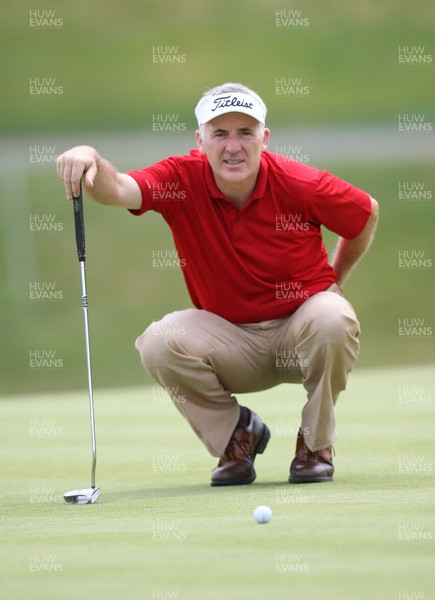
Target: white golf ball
262	514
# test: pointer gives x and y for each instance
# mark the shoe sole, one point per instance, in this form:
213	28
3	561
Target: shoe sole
310	479
261	447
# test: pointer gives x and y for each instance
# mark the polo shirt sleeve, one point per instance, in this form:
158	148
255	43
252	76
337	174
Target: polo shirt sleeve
339	206
151	181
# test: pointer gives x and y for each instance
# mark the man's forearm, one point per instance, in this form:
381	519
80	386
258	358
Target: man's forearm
105	185
101	181
349	252
99	177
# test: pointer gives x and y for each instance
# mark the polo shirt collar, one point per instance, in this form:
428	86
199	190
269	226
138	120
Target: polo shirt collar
260	185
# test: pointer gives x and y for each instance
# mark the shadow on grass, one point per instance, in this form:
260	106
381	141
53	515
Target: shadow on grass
364	490
205	490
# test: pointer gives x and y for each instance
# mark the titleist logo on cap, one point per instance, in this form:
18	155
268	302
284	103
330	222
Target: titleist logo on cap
224	101
210	107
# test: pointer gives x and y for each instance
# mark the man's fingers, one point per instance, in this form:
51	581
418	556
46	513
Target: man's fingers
78	167
72	174
68	190
75	187
72	166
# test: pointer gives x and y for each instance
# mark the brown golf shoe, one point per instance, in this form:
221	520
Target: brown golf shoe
311	467
236	465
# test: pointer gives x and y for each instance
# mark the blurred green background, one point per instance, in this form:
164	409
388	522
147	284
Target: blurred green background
102	60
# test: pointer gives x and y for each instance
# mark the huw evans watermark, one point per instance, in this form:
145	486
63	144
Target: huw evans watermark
44	427
291	563
411	531
414	55
166	595
168	463
414	463
164	531
167	123
44	563
291	87
291	19
43	87
285	154
414	191
44	223
290	290
42	155
44	291
167	259
44	495
414	327
414	394
414	123
168	191
168	327
44	19
44	359
168	394
168	55
290	359
414	259
291	223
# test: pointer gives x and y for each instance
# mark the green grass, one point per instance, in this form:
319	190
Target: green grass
101	54
162	530
126	293
102	57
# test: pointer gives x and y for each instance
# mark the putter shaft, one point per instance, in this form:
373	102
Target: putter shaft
89	370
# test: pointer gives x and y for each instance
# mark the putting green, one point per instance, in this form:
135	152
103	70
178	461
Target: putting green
159	530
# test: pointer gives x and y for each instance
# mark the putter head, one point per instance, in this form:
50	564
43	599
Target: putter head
85	496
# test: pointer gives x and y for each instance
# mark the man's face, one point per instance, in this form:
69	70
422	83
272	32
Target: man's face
233	143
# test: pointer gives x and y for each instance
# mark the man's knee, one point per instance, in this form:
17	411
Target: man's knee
163	338
332	318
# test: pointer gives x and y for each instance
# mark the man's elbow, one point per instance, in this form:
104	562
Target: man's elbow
374	215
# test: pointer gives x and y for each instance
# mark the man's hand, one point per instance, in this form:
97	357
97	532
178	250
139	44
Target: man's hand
101	180
349	252
73	165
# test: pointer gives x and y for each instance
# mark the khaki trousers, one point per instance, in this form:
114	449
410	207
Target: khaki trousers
202	360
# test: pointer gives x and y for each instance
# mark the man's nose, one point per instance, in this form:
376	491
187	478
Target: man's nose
233	145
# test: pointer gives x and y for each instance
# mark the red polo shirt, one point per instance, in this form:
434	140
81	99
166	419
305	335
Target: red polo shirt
262	261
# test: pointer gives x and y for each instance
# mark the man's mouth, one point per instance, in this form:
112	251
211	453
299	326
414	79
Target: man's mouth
233	161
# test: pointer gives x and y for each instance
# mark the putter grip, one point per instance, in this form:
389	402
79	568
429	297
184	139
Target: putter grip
79	223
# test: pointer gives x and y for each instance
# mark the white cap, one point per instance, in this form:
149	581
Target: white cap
210	107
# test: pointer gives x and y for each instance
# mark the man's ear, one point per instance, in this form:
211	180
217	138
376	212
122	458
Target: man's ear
266	138
199	141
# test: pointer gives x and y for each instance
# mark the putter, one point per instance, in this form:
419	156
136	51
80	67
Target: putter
86	495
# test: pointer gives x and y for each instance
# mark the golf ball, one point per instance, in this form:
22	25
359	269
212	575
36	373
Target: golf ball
262	514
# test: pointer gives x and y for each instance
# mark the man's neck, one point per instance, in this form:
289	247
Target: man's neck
238	193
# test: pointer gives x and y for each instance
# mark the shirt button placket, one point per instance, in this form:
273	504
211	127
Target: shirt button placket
238	228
